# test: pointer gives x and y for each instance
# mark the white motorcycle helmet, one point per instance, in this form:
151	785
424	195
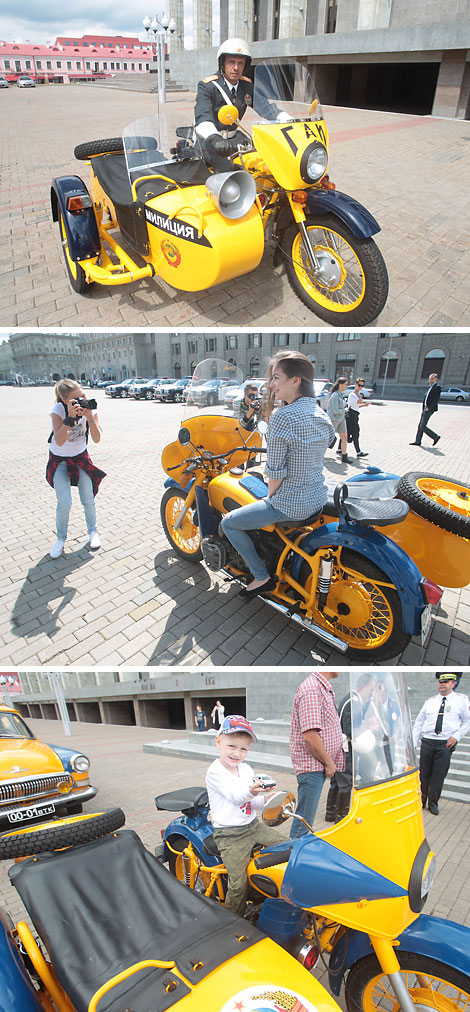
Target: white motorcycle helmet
233	47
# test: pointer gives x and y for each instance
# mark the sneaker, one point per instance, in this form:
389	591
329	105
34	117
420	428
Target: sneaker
362	454
345	459
57	549
94	541
339	450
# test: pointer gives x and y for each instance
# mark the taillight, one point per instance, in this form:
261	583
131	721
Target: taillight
311	958
431	591
162	833
79	203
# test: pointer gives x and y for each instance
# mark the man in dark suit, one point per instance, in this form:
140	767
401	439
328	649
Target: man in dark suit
430	404
230	86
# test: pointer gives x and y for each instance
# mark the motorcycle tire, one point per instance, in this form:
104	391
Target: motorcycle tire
368	616
186	541
368	987
77	276
90	148
361	291
176	866
436	498
60	833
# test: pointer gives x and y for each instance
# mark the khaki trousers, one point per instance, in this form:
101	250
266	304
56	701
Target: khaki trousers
235	844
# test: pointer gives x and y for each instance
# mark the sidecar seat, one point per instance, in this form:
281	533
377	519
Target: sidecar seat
103	906
112	173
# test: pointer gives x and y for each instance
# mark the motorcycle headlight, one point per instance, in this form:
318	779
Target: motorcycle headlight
421	878
314	162
428	877
80	763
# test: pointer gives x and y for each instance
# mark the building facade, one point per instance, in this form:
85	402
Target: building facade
70	60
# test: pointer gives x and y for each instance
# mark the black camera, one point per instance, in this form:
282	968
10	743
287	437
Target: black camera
255	403
90	405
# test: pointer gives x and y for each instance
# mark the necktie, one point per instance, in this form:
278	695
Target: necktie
234	94
440	717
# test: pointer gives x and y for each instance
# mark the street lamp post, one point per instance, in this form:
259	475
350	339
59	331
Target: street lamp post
160	29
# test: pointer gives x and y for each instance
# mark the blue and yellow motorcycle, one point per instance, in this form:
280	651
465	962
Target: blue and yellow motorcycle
350	896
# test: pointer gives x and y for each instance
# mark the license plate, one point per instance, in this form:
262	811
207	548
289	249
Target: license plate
426	622
34	812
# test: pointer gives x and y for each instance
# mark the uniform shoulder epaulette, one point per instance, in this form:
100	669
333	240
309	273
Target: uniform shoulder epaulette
207	80
246	79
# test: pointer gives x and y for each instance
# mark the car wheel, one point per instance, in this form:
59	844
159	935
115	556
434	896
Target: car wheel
149	395
459	398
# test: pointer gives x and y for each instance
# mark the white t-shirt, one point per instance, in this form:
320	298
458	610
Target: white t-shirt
76	440
230	801
353	401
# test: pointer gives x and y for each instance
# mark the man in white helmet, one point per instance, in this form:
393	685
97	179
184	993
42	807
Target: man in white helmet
230	86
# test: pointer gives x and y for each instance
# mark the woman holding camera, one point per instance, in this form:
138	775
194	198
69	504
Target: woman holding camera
299	433
69	461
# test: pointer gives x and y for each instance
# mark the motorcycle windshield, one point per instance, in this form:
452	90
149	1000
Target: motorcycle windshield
375	718
211	383
283	92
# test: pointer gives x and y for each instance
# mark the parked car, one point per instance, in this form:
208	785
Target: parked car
25	82
136	384
174	390
37	780
119	389
209	393
322	390
104	383
161	386
455	394
146	390
3	82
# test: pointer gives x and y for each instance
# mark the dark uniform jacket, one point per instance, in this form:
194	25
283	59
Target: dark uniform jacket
209	99
432	394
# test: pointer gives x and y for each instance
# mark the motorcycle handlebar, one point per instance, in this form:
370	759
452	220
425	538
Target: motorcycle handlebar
218	456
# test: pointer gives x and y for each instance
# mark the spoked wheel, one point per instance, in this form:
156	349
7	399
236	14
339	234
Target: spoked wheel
438	499
351	285
186	539
60	833
77	276
178	864
433	987
367	609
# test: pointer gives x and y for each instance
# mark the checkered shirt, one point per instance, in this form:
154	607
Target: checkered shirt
298	435
314	709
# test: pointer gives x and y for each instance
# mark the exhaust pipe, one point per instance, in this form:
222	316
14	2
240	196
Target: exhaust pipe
306	623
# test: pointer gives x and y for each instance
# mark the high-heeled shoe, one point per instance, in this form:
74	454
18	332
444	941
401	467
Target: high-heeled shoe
248	595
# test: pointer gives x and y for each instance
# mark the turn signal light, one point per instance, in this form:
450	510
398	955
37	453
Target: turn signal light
431	591
299	197
78	203
327	185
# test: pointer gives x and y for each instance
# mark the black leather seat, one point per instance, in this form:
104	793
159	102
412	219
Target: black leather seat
375	512
104	906
187	800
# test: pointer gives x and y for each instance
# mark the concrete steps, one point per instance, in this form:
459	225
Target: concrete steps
135	82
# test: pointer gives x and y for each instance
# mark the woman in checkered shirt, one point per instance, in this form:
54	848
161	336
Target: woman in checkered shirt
298	435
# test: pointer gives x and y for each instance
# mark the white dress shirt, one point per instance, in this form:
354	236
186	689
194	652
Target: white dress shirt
456	718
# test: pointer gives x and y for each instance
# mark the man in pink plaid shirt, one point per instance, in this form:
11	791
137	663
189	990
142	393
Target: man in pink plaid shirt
315	743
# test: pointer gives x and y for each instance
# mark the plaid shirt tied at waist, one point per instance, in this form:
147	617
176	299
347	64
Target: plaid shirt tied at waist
81	462
314	709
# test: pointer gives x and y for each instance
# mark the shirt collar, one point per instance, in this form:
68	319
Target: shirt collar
230	86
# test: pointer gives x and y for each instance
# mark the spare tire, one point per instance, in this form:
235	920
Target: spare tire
111	145
60	833
438	499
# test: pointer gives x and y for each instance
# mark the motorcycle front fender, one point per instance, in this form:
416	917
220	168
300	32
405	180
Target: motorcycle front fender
389	557
446	941
171	483
357	218
81	229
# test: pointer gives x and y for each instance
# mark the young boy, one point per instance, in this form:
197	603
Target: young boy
234	794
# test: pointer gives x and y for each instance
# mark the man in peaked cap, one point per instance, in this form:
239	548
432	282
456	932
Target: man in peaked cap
442	721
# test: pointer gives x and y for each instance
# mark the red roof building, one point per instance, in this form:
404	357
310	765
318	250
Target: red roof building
70	60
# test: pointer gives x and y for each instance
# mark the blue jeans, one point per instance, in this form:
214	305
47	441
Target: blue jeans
64	499
251	518
309	788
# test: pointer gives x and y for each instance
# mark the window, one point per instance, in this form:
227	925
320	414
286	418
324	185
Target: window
176	350
6	64
255	340
210	344
105	65
140	66
118	66
331	15
231	341
38	64
433	362
125	66
28	64
78	64
254	367
112	66
18	66
132	66
58	64
390	371
281	340
147	65
88	66
311	338
192	347
69	64
348	337
48	65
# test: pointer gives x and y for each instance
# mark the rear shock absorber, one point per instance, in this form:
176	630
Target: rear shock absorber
324	580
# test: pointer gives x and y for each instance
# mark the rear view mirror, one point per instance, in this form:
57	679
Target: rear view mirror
262	426
184	436
279	808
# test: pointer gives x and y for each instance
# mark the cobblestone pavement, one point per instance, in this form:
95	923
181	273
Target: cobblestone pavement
410	172
128	778
135	602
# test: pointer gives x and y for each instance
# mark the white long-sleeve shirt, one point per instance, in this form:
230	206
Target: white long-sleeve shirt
456	718
230	801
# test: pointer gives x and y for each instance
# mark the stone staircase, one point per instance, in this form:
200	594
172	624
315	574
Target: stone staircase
135	82
271	752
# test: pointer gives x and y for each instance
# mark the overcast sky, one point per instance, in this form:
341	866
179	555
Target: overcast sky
43	20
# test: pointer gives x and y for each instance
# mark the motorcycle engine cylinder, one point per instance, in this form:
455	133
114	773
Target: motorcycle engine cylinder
213	553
